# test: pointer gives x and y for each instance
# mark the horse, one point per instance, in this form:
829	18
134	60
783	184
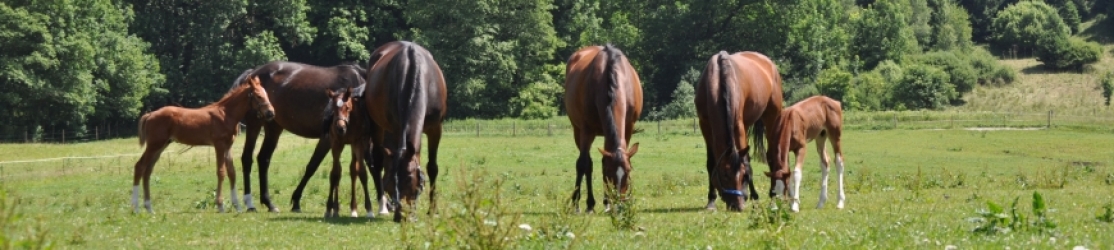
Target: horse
736	93
817	118
348	124
214	124
603	97
405	96
298	94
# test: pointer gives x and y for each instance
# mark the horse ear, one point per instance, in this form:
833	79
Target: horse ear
632	150
604	153
330	93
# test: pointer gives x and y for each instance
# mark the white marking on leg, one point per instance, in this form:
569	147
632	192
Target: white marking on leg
135	198
839	172
779	188
355	214
235	200
823	184
383	205
147	204
796	190
247	202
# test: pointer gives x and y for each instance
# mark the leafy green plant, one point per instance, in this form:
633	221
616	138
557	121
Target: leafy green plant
772	216
995	220
1108	213
1107	84
623	211
481	220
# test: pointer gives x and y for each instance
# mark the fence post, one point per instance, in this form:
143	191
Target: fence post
1049	126
550	129
694	126
97	133
477	128
25	136
63	136
514	129
895	120
659	127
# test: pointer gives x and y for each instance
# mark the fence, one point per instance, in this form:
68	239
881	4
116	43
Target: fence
1095	121
852	121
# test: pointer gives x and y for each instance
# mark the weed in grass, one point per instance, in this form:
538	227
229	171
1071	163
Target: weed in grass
623	209
560	228
482	219
995	220
1108	213
12	235
1109	179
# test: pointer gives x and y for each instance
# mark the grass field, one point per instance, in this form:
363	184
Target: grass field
919	188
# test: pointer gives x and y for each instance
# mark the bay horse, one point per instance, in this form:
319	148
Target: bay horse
603	97
214	124
297	92
349	124
817	118
406	96
736	93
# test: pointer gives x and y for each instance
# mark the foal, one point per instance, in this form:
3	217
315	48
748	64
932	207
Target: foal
819	118
215	124
348	123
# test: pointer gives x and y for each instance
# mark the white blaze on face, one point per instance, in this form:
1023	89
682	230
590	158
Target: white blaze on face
619	177
339	103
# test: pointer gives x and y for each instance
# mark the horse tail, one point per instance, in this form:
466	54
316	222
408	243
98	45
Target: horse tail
757	139
142	132
727	92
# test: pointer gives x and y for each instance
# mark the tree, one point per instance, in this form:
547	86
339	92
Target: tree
924	87
1027	23
489	50
881	33
67	64
950	27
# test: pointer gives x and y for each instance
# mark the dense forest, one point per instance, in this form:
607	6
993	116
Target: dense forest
80	65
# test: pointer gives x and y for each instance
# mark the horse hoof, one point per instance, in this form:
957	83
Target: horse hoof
251	210
355	214
296	210
274	210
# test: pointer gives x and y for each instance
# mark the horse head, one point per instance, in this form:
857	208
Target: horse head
731	176
617	168
341	105
260	101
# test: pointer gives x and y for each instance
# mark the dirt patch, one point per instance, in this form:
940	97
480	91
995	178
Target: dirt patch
999	128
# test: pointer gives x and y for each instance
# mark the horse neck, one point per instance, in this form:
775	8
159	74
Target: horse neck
615	130
234	105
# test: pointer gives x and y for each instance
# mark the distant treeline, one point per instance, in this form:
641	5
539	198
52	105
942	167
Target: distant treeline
77	65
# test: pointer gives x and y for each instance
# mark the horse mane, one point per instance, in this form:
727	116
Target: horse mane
614	57
240	79
726	73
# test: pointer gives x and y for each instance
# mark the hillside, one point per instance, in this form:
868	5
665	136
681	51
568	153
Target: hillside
1040	90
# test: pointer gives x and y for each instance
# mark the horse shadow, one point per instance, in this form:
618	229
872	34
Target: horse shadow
343	220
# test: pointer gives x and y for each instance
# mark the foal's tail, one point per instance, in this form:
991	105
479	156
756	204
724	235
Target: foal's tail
142	132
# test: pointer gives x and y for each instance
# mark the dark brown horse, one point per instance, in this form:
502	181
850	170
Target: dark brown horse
349	125
816	118
603	96
406	97
215	124
736	92
297	92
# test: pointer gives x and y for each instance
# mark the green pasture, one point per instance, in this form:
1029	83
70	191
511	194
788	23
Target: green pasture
906	188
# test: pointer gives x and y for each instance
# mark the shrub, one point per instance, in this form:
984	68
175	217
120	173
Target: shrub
1068	53
962	75
923	87
1026	24
684	99
988	69
995	220
869	91
834	83
1107	84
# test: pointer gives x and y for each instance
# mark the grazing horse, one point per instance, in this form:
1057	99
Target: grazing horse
215	124
819	118
348	124
736	92
603	96
405	97
298	94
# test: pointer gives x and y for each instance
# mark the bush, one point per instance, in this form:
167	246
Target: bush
989	70
868	92
924	87
1107	84
1068	53
684	99
962	75
834	83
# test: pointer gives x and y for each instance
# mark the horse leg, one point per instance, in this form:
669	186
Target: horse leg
270	141
220	179
823	171
311	168
332	203
147	178
245	160
583	169
838	151
795	183
144	165
711	179
358	171
434	137
231	170
376	163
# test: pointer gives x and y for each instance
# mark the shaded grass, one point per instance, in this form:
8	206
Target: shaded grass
905	188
